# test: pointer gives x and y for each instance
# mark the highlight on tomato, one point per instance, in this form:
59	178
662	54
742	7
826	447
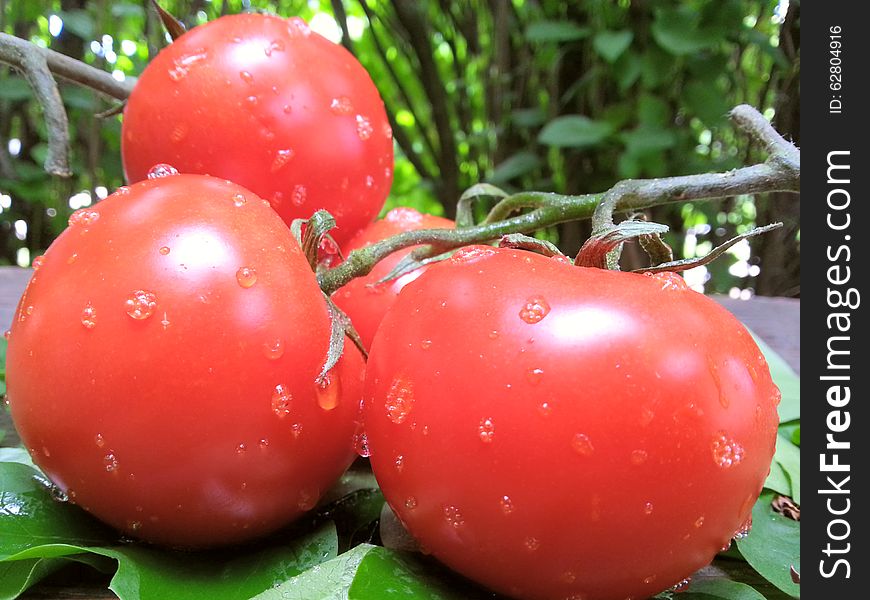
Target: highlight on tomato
553	431
163	366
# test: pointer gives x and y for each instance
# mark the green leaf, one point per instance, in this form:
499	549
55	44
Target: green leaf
385	574
575	131
611	44
647	140
17	576
656	68
16	455
652	111
79	22
786	380
788	456
515	166
707	102
77	97
124	9
777	480
627	70
15	89
528	117
773	546
796	436
720	589
556	31
677	32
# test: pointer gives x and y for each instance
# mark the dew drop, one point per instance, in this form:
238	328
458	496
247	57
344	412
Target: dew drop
400	400
486	430
140	304
534	376
57	494
241	449
363	127
83	217
699	522
493	335
299	195
99	441
410	503
646	416
263	443
282	157
110	462
281	399
545	408
246	77
726	452
744	530
341	105
638	457
37	262
252	100
164	321
648	508
399	463
89	316
161	170
239	200
453	516
164	250
181	66
534	310
274	46
287	109
582	444
296	27
471	254
681	586
370	181
387	132
134	525
425	344
507	505
649	580
123	190
73	257
274	348
246	276
328	392
532	543
296	428
361	445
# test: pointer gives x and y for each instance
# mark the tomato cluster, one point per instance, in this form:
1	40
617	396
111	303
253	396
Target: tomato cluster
547	430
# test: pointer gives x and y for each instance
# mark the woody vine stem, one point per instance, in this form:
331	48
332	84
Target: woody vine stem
780	172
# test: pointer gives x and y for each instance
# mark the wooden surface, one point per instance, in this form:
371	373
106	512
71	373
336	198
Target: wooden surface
776	320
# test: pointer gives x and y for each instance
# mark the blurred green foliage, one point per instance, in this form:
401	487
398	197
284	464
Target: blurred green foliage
557	96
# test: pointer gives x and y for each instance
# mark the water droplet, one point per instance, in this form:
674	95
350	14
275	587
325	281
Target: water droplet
83	217
263	443
532	543
545	408
72	258
239	200
99	441
246	77
669	281
341	105
252	100
296	27
134	525
744	530
179	132
400	400
453	516
582	444
164	250
307	500
486	430
410	503
287	109
241	449
638	457
281	400
296	428
46	452
649	580
89	316
164	321
274	348
725	547
161	170
110	462
282	157
7	334
399	463
425	344
37	262
387	132
246	276
328	392
123	190
140	304
534	310
726	452
299	195
57	494
646	416
648	508
363	127
699	522
493	334
274	46
361	445
507	505
471	254
181	66
534	376
370	181
681	586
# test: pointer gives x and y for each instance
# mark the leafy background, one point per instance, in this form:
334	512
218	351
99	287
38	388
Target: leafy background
526	94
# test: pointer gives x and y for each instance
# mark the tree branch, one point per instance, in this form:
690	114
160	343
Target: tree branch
781	172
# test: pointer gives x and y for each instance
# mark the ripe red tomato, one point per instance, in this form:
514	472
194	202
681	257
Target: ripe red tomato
162	365
560	432
363	301
267	103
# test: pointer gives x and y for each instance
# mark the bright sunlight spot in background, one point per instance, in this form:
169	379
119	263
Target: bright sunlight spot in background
326	26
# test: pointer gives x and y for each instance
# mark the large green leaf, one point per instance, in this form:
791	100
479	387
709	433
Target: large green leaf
720	589
788	457
575	131
15	89
611	44
773	546
786	380
78	21
706	101
556	31
17	576
515	166
678	32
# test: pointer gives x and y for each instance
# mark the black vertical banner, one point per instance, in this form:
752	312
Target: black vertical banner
834	195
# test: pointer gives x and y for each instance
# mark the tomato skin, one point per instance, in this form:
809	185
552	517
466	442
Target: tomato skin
553	431
272	106
144	361
366	303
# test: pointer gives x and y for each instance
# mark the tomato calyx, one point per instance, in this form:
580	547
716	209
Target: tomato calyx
596	252
173	26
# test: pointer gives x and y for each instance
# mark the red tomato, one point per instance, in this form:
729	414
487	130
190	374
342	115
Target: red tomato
162	366
267	103
560	432
363	301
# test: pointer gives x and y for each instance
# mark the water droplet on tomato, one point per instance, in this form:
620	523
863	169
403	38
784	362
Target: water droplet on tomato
110	462
181	66
699	522
123	190
7	334
648	508
681	586
363	127
545	408
399	463
164	250
387	132
57	494
99	441
241	449
274	46
299	195
83	217
471	254
725	547
282	157
638	457
582	444
534	376
296	428
287	109
410	503
307	500
37	262
400	400
246	276
73	257
178	133
140	304
727	452
161	170
246	77
453	516
532	543
134	525
274	348
493	334
534	310
341	105
486	430
239	200
370	181
507	505
744	530
646	416
89	316
328	390
296	27
425	344
281	400
361	445
669	281
649	580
